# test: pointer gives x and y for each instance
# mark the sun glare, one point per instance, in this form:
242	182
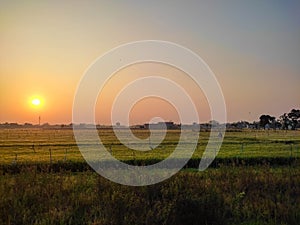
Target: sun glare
36	101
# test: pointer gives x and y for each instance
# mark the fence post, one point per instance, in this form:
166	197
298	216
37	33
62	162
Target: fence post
16	158
50	156
66	151
110	150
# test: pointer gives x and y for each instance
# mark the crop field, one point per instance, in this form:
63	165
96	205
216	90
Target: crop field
265	191
39	145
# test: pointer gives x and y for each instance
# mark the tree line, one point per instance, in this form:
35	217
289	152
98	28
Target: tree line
287	121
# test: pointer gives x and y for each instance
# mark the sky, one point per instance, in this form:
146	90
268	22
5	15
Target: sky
252	47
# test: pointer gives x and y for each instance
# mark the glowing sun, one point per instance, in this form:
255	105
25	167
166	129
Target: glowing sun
36	102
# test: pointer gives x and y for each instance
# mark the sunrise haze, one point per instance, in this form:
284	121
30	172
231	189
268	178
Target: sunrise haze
253	48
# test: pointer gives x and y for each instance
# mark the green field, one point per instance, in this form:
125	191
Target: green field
35	145
254	180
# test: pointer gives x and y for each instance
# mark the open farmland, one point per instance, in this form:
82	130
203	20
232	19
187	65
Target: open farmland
59	145
44	180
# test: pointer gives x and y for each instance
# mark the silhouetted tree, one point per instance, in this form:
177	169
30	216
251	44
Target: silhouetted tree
290	120
284	120
266	119
294	117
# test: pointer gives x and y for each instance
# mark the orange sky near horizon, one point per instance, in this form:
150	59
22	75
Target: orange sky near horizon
149	107
253	48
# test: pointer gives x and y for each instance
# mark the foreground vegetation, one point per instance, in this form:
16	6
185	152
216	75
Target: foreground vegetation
255	179
227	195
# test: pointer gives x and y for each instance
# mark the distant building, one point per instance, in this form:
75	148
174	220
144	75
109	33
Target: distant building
161	125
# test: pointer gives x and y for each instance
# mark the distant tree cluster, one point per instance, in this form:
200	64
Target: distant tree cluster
287	121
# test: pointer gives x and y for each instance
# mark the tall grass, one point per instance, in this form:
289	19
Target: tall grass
227	195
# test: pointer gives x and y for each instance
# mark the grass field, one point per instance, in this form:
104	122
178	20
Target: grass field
64	190
35	145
